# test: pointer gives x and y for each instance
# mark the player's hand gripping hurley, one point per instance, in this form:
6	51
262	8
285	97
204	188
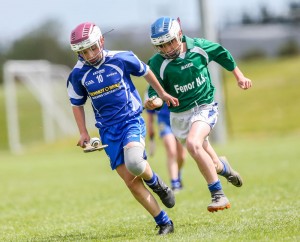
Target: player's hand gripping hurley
93	145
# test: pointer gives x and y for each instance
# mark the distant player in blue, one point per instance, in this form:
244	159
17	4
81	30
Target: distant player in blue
175	151
104	77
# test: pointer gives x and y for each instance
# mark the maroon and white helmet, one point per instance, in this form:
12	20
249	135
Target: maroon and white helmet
84	36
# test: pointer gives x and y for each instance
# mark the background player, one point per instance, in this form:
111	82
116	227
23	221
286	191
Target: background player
175	152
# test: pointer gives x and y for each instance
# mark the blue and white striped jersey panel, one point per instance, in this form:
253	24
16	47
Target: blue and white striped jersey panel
113	95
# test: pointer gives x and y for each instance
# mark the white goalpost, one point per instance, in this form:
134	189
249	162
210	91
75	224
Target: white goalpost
47	84
208	31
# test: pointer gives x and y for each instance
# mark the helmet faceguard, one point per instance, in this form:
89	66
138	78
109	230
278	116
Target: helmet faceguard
164	31
87	37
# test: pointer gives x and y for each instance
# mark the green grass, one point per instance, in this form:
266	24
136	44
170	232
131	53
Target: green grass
58	193
271	106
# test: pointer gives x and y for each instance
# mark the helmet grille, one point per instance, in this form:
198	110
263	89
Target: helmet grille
85	31
166	25
73	36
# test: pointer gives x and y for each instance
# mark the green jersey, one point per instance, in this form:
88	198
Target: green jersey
187	77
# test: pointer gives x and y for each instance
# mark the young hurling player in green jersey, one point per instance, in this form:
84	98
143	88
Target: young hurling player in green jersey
181	66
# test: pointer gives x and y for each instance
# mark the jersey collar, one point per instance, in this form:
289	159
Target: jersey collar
189	42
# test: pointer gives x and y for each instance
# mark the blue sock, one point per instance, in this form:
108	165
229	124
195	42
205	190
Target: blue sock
224	171
176	183
152	181
215	186
162	218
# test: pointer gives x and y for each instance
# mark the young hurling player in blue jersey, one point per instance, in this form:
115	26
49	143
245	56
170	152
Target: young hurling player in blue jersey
181	66
104	77
175	151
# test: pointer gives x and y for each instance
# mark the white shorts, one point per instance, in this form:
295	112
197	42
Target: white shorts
181	122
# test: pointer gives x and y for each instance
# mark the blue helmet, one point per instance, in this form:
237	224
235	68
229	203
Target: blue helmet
164	30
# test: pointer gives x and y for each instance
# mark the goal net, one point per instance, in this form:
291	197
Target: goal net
37	105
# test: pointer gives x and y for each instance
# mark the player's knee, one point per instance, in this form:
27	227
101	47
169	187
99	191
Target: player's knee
134	161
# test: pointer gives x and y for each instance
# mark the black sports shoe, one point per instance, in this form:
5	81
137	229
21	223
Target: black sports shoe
232	176
165	194
165	229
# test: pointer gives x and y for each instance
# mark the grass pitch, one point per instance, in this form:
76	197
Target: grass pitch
58	193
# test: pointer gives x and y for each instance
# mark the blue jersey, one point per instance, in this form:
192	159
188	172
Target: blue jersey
163	119
163	114
113	95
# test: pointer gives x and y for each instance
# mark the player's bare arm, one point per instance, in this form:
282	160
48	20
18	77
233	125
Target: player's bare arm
243	82
79	115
